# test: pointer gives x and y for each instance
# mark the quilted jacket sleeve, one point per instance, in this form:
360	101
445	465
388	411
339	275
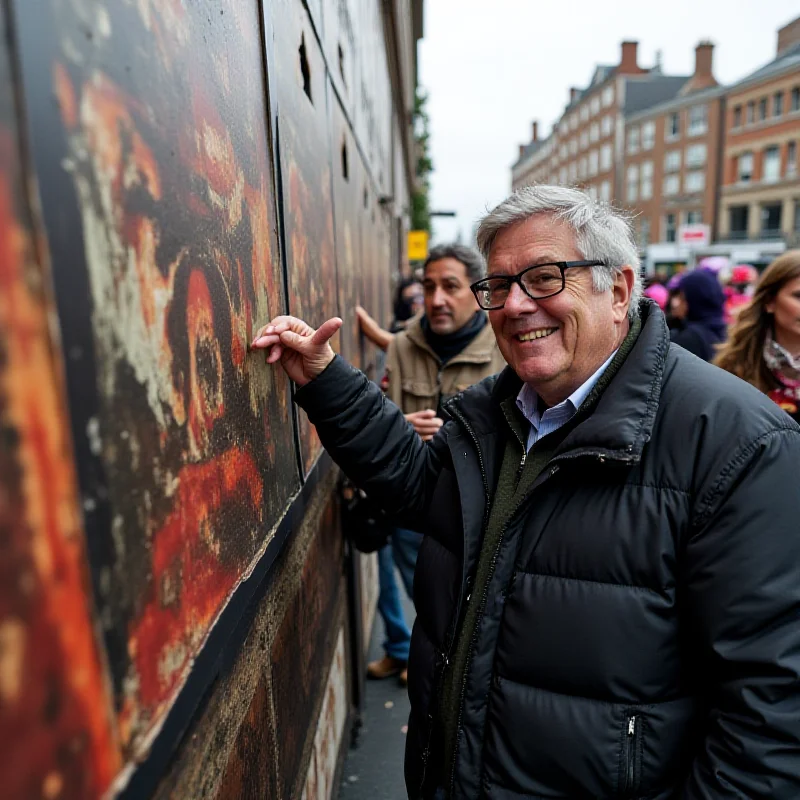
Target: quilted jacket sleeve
369	438
743	584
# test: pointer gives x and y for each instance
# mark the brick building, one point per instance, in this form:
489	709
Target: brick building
585	147
672	157
760	195
683	150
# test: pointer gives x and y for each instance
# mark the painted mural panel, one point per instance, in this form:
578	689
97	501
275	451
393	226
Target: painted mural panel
155	173
374	101
303	648
347	180
304	136
342	40
55	713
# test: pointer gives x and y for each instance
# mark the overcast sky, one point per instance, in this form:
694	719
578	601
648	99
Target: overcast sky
490	67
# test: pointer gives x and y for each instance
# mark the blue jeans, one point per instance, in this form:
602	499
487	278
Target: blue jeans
401	551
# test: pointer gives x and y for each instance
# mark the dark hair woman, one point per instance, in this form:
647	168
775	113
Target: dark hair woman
764	343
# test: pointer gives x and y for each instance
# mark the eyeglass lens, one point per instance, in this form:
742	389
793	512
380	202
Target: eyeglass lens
541	281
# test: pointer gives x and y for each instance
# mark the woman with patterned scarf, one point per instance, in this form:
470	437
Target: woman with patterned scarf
764	343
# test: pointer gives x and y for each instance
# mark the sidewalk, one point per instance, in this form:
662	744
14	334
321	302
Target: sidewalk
373	770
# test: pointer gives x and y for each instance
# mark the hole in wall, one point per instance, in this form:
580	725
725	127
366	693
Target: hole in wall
305	70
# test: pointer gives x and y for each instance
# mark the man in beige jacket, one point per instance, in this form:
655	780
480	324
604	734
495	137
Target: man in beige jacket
439	353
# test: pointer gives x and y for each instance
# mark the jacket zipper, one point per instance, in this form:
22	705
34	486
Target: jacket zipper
446	655
630	756
484	595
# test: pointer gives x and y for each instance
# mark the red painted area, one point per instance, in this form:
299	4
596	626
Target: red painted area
207	401
190	581
55	716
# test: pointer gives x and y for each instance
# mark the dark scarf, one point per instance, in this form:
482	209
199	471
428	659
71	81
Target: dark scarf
786	371
448	345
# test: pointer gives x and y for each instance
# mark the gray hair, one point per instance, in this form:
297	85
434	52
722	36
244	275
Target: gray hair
472	260
602	233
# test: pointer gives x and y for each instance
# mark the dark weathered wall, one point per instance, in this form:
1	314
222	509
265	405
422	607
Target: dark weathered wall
172	175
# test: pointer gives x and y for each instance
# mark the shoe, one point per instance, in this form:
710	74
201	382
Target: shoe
404	677
385	668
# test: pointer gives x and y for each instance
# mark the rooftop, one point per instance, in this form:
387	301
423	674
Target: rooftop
788	59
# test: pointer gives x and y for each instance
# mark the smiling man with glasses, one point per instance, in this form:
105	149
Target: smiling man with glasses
608	590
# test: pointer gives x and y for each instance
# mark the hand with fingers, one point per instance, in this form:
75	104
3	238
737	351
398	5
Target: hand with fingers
425	423
371	329
302	351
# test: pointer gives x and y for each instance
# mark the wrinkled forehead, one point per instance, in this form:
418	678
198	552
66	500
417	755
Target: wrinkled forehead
539	239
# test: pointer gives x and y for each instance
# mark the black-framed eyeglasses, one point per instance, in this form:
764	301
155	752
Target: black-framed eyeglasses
538	282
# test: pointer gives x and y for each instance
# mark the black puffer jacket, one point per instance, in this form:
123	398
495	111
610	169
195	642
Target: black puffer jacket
641	635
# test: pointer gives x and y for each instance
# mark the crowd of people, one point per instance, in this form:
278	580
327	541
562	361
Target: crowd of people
607	565
745	322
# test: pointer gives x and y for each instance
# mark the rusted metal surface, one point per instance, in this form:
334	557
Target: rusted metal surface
330	727
55	711
302	649
348	178
160	124
232	742
305	157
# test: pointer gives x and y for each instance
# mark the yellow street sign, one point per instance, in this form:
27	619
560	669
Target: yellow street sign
417	245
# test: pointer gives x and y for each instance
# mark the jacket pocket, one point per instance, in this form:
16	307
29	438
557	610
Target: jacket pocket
418	395
630	764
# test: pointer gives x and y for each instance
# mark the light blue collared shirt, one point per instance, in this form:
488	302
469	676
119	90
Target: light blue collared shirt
553	418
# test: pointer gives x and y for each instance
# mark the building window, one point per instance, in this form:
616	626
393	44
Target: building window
573	146
593	162
695	155
670	230
648	135
672	185
607	125
594	132
745	167
563	151
694	217
772	164
605	191
647	180
595	105
738	217
791	159
584	113
608	96
672	161
633	139
737	116
695	181
605	157
771	218
673	129
796	98
762	109
562	175
698	120
584	139
777	104
632	186
582	168
751	112
573	172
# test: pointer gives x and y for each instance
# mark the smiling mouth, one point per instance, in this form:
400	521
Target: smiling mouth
540	333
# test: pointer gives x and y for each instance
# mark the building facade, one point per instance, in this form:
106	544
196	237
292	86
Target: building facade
702	168
760	193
